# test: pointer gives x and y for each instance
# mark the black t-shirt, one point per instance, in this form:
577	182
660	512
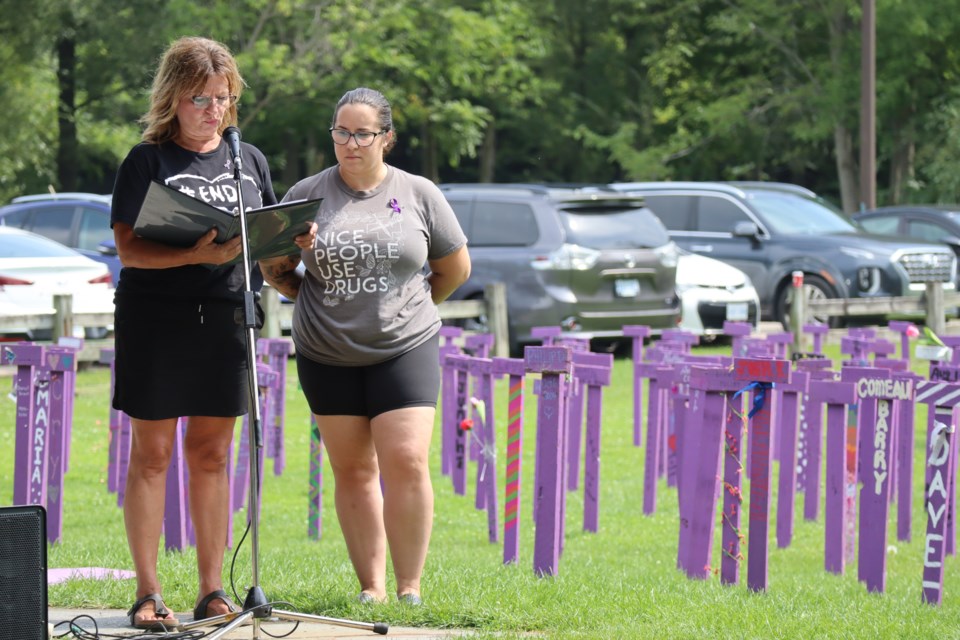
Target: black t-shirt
205	176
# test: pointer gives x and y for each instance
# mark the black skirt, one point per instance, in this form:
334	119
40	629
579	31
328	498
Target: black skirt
180	357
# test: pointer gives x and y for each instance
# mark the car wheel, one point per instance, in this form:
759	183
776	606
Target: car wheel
814	288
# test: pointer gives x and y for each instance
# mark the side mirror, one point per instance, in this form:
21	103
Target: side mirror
107	248
746	229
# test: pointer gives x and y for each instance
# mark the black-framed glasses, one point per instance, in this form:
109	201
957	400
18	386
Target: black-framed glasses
363	138
204	102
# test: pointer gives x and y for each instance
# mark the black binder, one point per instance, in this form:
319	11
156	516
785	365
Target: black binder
171	217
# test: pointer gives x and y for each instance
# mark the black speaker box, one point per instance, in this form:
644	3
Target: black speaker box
23	573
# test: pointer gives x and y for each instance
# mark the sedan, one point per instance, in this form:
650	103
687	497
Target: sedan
712	292
80	221
33	269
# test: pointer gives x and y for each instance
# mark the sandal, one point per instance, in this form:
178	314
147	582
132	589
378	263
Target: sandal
200	611
164	621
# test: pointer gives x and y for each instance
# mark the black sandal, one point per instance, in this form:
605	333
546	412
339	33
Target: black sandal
162	623
200	611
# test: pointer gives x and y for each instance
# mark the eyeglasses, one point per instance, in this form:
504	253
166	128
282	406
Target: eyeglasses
363	138
204	102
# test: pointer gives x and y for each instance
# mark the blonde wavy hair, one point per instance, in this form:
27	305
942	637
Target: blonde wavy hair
185	68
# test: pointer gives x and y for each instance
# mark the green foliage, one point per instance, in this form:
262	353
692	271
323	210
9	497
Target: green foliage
557	90
937	178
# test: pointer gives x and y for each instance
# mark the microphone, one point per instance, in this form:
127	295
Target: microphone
232	136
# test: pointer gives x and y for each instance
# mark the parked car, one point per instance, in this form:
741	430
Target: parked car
922	222
77	220
34	268
768	230
585	261
712	292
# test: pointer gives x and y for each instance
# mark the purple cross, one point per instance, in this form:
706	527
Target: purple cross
459	364
941	459
836	395
791	393
711	389
737	332
448	395
762	373
877	433
809	439
592	370
514	367
903	327
637	333
818	331
553	364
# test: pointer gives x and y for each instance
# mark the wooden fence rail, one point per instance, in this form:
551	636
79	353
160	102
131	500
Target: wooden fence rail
932	306
492	308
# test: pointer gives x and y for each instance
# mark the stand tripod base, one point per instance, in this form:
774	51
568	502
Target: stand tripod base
262	612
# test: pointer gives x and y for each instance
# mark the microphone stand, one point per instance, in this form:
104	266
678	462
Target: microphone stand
256	605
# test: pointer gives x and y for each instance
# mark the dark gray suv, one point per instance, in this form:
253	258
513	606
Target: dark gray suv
769	230
587	261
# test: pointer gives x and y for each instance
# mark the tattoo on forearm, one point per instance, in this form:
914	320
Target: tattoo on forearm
283	277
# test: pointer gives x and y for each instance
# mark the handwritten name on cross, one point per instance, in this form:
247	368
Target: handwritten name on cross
484	436
876	448
944	400
861	420
460	365
809	440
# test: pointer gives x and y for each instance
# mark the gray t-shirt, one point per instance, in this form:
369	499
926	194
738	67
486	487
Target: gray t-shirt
365	297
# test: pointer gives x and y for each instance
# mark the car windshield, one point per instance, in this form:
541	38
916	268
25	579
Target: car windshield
614	228
15	245
794	214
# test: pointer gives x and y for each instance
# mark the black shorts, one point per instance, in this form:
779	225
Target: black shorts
179	357
411	379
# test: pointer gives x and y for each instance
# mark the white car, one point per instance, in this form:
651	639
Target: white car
712	292
34	268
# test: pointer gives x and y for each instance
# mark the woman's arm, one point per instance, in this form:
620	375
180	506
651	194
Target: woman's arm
448	273
281	274
141	253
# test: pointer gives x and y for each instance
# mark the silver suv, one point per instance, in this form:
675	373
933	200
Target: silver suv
587	261
769	230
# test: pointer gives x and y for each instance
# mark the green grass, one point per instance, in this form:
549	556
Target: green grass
619	583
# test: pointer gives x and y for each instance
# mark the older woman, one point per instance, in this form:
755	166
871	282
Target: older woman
179	350
366	330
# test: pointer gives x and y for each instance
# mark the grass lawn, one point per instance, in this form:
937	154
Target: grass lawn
621	582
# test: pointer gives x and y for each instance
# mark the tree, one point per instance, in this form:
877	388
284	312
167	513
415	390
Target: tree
916	59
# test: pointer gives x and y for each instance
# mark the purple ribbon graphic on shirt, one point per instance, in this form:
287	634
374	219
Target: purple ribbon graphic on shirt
394	205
